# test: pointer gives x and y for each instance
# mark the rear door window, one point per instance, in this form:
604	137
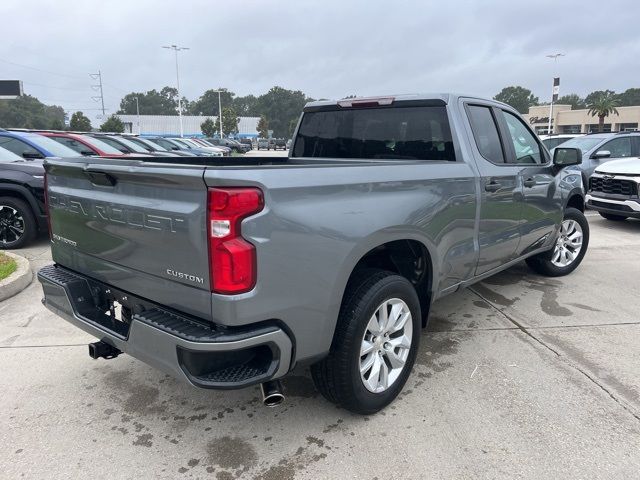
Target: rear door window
402	133
485	133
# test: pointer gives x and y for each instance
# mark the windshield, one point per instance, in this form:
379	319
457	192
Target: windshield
100	145
182	141
163	142
52	146
133	146
152	146
583	143
6	156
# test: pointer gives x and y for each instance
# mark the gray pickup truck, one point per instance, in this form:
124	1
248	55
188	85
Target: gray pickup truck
229	272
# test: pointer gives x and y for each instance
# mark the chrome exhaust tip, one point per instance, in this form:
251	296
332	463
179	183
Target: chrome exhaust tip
272	395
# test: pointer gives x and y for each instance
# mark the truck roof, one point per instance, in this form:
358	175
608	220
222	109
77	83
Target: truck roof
442	98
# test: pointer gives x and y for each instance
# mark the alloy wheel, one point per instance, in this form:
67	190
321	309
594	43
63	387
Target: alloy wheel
568	244
385	345
12	225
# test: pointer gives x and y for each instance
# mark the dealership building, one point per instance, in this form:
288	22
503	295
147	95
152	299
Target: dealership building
566	120
169	125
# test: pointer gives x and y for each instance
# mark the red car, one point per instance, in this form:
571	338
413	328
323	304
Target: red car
84	144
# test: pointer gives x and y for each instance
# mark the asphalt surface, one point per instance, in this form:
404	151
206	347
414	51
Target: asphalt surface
518	377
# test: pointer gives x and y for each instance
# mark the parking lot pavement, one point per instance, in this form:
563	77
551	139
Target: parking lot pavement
517	377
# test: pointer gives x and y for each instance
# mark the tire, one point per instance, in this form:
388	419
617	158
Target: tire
338	376
612	217
548	264
15	215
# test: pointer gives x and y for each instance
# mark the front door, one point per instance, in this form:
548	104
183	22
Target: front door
542	205
500	190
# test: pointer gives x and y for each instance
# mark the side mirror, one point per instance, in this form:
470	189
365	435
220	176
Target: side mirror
601	154
567	156
32	155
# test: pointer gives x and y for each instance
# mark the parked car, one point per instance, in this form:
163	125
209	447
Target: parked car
614	188
247	142
599	148
125	145
226	151
272	144
84	144
280	143
288	144
231	144
152	147
552	141
187	142
332	257
175	147
263	143
22	210
33	146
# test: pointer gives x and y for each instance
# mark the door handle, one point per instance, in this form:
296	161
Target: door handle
492	186
530	182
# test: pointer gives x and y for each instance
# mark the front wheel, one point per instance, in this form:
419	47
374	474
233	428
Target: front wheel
375	343
18	226
569	249
615	218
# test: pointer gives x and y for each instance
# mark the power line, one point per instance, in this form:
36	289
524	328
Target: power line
39	69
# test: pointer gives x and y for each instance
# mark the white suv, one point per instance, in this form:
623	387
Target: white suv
613	189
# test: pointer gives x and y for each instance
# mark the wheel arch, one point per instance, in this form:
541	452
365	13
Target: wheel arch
409	255
22	193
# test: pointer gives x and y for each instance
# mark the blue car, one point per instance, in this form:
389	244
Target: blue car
31	146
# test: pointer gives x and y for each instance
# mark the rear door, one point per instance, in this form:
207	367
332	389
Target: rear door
500	190
135	225
542	207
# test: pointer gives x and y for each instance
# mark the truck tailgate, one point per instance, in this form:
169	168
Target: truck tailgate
140	226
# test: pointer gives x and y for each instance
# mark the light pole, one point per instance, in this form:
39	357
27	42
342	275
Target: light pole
138	114
176	49
555	64
220	112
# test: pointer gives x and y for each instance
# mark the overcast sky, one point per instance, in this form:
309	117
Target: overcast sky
327	49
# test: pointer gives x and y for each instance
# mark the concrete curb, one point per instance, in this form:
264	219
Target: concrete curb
18	280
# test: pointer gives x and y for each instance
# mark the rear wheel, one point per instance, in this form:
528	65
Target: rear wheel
17	224
375	343
569	249
615	218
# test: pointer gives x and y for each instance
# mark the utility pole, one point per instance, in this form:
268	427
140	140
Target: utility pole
176	49
555	89
98	88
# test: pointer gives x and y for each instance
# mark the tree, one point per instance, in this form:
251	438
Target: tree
246	106
29	112
113	124
602	106
593	96
80	123
629	97
572	99
518	97
263	127
280	106
230	121
207	104
153	102
208	127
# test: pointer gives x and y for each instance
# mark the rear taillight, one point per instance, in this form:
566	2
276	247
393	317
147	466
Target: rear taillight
232	259
46	203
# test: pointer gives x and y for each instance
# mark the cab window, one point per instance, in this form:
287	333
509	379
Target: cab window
620	147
